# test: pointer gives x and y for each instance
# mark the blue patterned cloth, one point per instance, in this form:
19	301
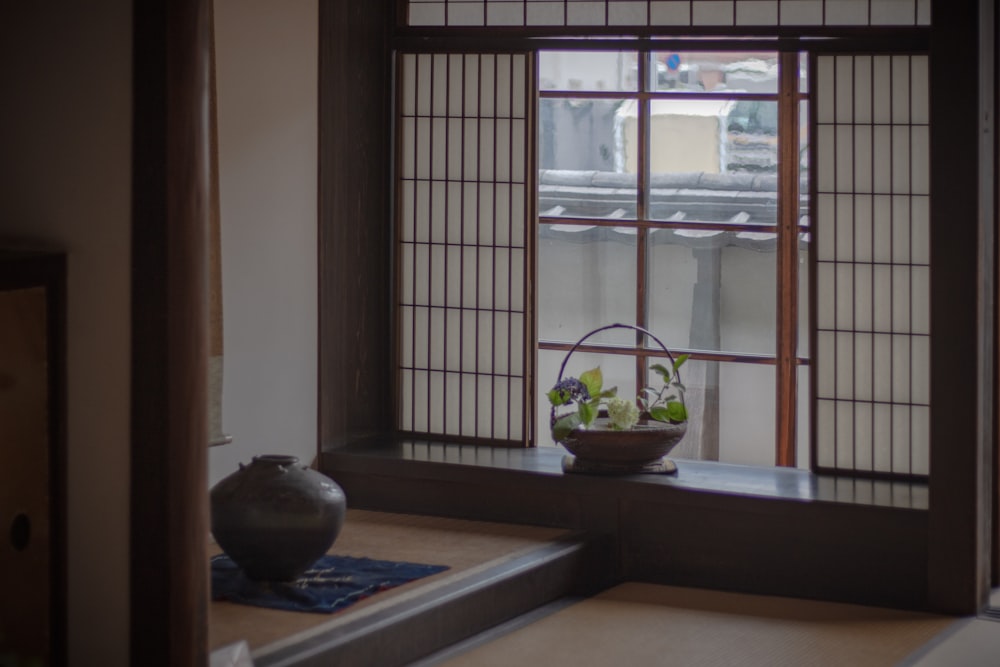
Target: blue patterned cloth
331	584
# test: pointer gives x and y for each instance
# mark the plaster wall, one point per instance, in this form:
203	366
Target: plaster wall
65	180
267	69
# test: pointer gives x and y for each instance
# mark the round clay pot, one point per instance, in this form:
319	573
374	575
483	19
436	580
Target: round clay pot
275	518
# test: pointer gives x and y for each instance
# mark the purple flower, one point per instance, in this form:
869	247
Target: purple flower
569	390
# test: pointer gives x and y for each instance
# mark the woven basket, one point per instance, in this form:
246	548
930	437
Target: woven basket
647	442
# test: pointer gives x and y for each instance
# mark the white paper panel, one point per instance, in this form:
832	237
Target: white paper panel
504	13
882	167
825	228
882	296
712	12
846	12
862	89
920	243
863	361
845	158
845	431
902	228
920	160
843	87
757	12
625	12
581	12
826	158
863	228
845	228
893	12
825	434
882	428
864	297
427	13
863	158
801	12
920	443
882	89
900	89
882	364
845	370
545	13
881	240
863	428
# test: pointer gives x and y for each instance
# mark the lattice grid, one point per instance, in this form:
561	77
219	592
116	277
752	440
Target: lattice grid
679	13
872	264
463	211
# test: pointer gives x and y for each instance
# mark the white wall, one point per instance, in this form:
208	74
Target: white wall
65	178
267	54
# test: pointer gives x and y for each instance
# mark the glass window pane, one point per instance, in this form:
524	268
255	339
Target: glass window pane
731	413
713	290
715	72
591	71
714	161
586	279
584	158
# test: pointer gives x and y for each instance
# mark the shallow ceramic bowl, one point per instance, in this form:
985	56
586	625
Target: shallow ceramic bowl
648	441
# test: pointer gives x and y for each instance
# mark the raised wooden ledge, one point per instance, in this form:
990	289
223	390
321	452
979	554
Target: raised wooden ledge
759	530
407	628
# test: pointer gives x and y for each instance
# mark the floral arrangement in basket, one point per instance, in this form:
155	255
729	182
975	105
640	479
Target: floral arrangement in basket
663	404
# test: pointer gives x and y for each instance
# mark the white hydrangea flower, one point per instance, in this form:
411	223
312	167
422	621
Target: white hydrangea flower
623	413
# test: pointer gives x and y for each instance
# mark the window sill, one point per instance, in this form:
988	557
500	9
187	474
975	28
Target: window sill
740	528
445	461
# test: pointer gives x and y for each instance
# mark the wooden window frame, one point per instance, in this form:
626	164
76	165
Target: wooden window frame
787	227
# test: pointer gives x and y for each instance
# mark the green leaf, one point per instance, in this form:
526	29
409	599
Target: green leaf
564	426
679	361
677	412
660	413
593	380
608	393
588	411
662	370
558	396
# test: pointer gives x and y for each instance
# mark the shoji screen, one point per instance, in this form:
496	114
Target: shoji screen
463	210
872	353
667	12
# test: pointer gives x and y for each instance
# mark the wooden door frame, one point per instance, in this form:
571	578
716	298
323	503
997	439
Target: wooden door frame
169	429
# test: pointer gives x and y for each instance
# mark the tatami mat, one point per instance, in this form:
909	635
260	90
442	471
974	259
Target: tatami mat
643	624
462	545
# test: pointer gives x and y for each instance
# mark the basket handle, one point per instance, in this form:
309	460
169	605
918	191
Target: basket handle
616	325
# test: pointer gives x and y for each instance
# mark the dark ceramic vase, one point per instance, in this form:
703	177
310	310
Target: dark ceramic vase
275	518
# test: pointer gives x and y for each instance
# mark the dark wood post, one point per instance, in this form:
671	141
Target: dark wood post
960	296
169	428
355	370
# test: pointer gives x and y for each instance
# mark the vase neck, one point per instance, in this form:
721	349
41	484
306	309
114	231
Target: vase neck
275	460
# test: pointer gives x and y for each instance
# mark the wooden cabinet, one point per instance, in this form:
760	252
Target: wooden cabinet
32	458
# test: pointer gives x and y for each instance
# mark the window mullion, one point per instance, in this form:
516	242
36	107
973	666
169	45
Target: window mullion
787	260
642	201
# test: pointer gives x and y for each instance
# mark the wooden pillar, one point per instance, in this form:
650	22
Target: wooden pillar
169	517
355	374
961	312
